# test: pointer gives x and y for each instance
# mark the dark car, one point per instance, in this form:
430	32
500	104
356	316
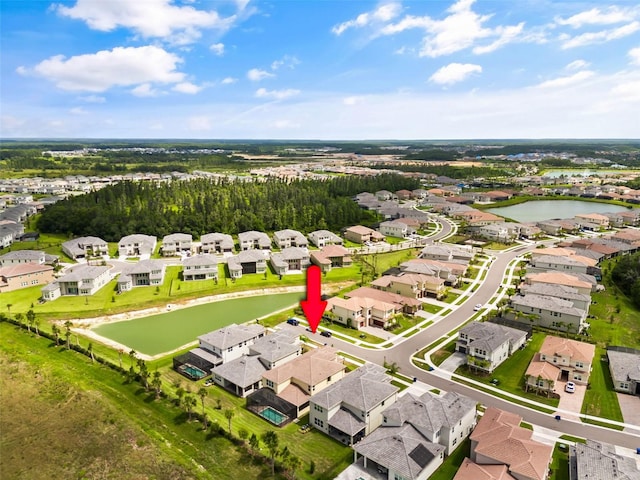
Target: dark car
325	333
293	321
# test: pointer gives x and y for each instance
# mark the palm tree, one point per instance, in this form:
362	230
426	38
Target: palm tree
90	350
254	443
189	403
229	414
144	373
292	464
9	305
132	356
202	393
31	318
55	329
271	441
156	383
20	318
120	352
180	392
67	332
37	325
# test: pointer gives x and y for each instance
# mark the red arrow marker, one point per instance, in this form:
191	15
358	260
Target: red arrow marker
313	307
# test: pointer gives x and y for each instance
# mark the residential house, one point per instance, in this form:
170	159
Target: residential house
395	229
595	460
579	300
321	238
361	234
176	243
18	257
358	312
413	285
247	262
569	264
404	195
498	439
80	280
493	196
290	260
547	311
85	247
383	195
289	387
550	227
477	217
593	221
200	267
243	375
470	470
331	256
451	272
216	243
624	365
23	275
447	253
406	305
560	360
289	238
579	282
496	232
353	407
253	240
144	273
487	344
137	245
231	342
446	420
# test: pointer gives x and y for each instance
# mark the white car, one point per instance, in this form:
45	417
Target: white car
477	307
570	387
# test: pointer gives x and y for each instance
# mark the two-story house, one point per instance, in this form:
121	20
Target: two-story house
289	238
546	311
200	267
413	285
331	256
232	341
85	247
290	260
321	238
358	312
79	280
145	273
137	245
361	234
247	262
216	243
253	240
487	344
395	229
176	243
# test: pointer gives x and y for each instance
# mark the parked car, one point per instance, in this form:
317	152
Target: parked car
477	307
570	387
325	333
209	382
293	321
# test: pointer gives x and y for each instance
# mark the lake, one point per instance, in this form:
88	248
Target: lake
167	331
536	211
581	173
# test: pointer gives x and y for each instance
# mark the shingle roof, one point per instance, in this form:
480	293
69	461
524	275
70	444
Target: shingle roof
177	237
202	259
23	269
311	368
469	470
625	366
492	334
232	335
545	302
226	241
243	371
580	351
595	460
83	272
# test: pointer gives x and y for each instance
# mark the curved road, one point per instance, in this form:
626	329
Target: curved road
401	354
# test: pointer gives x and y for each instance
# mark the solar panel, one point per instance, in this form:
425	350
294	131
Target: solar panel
421	455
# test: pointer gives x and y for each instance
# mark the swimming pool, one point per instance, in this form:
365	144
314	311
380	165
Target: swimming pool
192	372
273	415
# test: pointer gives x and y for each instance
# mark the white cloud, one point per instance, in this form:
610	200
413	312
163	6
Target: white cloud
462	28
256	75
595	16
383	13
454	73
352	100
602	36
285	124
217	48
287	61
634	55
150	18
276	94
187	87
629	91
93	99
566	81
199	123
145	90
122	66
577	65
78	111
229	80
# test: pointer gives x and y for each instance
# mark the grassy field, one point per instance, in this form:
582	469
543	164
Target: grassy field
161	425
600	400
450	466
559	464
165	332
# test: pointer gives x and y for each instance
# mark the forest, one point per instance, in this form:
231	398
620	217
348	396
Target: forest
626	276
217	205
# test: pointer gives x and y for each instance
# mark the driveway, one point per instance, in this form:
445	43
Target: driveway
630	406
570	401
454	361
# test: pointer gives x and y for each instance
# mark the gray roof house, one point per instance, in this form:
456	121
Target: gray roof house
200	267
175	243
83	280
246	262
624	365
446	253
216	243
546	311
321	238
487	344
253	240
85	247
579	300
142	274
136	245
352	408
596	460
27	256
289	238
290	260
243	375
232	341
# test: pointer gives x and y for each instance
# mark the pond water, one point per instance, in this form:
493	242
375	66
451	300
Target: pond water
581	173
167	331
536	211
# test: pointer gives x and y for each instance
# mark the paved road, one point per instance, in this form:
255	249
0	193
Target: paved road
401	354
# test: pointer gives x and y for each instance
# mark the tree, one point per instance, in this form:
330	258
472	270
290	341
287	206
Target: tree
202	393
55	329
9	305
243	433
31	318
180	392
254	443
144	373
156	383
229	414
189	402
37	325
90	351
120	352
132	357
67	332
271	441
20	319
292	463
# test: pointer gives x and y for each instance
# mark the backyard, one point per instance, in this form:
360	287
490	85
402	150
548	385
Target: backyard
600	399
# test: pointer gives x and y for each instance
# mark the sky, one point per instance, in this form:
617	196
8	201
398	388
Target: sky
319	69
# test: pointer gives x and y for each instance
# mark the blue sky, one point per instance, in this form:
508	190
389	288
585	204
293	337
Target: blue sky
320	69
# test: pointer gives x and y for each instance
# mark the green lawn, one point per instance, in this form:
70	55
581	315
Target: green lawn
511	372
427	307
161	333
48	242
600	400
351	332
559	464
443	353
450	466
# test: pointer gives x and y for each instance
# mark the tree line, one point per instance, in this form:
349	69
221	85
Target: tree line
626	275
201	206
